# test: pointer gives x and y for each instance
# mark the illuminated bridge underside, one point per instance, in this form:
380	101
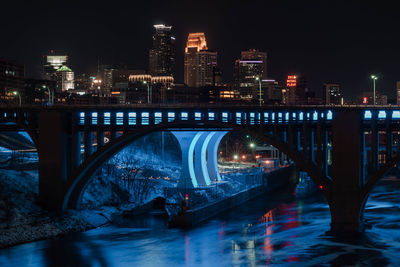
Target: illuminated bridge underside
199	157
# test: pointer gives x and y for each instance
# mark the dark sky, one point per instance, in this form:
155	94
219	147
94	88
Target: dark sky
341	41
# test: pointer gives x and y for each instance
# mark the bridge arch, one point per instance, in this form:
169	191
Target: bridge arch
22	125
378	175
81	177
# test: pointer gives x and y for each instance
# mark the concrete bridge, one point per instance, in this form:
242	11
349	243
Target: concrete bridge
345	150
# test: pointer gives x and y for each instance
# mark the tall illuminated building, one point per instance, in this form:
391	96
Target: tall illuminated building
251	65
200	63
162	54
52	63
195	43
65	79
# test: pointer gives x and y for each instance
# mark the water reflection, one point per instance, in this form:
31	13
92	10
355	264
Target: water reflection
272	230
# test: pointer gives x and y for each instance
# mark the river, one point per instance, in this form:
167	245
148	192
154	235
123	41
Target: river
272	230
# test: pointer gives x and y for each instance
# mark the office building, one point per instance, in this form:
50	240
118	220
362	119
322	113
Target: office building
65	79
331	94
162	54
52	63
206	62
296	87
195	43
12	79
251	66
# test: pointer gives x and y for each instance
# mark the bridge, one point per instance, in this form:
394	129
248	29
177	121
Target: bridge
345	150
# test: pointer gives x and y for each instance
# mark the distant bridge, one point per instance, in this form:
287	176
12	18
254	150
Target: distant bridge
345	150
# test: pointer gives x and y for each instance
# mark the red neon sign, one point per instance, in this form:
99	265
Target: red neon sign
291	81
365	100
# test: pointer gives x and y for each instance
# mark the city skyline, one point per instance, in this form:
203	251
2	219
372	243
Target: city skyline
327	42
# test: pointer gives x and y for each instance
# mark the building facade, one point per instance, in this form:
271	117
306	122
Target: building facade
296	87
52	63
65	79
162	54
12	79
331	94
398	92
251	66
206	62
195	43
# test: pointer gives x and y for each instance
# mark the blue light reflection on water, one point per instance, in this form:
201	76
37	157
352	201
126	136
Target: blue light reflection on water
278	230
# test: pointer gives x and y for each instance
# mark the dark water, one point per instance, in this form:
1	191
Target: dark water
273	230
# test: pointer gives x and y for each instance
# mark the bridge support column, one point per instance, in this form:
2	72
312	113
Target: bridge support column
200	159
53	158
212	155
187	140
345	193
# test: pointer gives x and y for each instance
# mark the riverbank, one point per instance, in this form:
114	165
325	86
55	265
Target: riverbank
272	181
22	220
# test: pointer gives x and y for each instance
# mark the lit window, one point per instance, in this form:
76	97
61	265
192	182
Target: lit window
382	114
197	116
171	116
132	118
329	115
184	116
120	118
238	118
211	116
396	115
145	118
82	118
94	118
367	115
301	116
107	118
224	116
157	117
315	115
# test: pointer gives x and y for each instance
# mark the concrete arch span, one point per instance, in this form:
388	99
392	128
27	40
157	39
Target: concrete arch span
199	157
199	148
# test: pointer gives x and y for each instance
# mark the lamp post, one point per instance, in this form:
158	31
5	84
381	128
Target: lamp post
48	90
148	92
16	93
259	87
374	78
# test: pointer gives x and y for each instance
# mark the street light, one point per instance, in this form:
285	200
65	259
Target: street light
148	92
259	87
374	78
16	93
48	90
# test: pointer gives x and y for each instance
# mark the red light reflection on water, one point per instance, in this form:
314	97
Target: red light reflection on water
289	219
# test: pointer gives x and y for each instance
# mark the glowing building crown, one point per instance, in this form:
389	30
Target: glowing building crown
196	40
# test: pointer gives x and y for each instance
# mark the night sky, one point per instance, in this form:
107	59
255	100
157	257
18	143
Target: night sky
344	42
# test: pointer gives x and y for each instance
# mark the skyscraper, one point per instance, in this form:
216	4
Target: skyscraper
195	43
162	55
206	61
251	65
65	79
52	63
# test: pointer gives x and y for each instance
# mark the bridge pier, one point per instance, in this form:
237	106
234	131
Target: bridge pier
345	193
53	158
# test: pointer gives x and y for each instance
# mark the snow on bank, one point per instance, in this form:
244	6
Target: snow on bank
23	220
